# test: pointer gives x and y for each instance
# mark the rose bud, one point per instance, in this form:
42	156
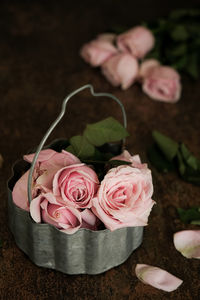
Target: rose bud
161	83
47	208
138	41
98	51
124	197
76	185
121	69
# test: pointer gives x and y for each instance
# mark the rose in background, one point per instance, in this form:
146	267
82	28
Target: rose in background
121	69
124	196
160	82
120	60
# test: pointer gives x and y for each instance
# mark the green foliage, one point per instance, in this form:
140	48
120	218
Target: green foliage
191	215
167	155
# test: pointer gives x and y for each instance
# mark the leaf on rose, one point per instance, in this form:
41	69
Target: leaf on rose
191	215
106	131
168	146
81	147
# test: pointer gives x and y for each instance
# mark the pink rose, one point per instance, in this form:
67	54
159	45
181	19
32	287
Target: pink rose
124	197
138	41
76	185
98	51
161	83
135	160
47	208
147	66
48	163
121	69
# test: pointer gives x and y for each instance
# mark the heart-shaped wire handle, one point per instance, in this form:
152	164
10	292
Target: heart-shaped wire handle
51	128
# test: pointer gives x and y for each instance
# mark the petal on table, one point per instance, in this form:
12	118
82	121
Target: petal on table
188	243
157	277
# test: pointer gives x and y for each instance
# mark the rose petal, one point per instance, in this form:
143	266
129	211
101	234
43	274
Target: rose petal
157	277
88	217
188	243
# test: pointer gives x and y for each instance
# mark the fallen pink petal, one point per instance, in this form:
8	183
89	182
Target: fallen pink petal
187	242
157	277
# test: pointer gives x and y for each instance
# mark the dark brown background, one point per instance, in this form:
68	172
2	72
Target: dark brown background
39	66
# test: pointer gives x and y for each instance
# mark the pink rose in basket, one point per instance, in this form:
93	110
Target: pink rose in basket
98	51
121	69
76	185
48	163
124	196
47	208
137	41
160	82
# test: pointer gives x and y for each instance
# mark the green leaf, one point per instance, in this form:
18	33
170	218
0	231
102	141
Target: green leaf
196	222
189	215
71	149
192	65
105	131
158	160
179	50
179	33
167	146
82	147
190	159
181	165
115	163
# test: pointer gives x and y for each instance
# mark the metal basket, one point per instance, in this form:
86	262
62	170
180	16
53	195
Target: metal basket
84	252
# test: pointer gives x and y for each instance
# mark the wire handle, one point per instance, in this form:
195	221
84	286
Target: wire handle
53	125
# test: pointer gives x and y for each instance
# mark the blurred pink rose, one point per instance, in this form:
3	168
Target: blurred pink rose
48	163
138	41
98	51
47	208
161	83
146	67
124	197
121	69
76	185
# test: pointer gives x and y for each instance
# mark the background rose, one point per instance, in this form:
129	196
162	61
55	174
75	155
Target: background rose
76	185
121	69
138	41
47	208
161	83
48	163
98	51
124	197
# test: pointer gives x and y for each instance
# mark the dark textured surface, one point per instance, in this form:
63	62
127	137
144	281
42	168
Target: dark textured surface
39	66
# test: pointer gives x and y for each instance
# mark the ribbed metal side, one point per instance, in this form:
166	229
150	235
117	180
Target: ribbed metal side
84	252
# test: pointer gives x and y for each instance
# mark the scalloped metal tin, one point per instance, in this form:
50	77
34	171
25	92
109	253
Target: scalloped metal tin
84	252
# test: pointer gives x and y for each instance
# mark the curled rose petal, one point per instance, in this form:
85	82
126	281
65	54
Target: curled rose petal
157	277
188	243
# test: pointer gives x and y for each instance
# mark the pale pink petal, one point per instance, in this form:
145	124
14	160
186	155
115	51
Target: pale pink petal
188	243
157	277
146	66
19	194
35	209
88	217
43	155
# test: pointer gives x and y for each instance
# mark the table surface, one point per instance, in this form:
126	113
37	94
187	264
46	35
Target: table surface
39	66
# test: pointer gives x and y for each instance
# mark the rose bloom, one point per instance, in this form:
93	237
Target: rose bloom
121	69
48	163
138	41
124	197
76	185
98	51
47	208
160	82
